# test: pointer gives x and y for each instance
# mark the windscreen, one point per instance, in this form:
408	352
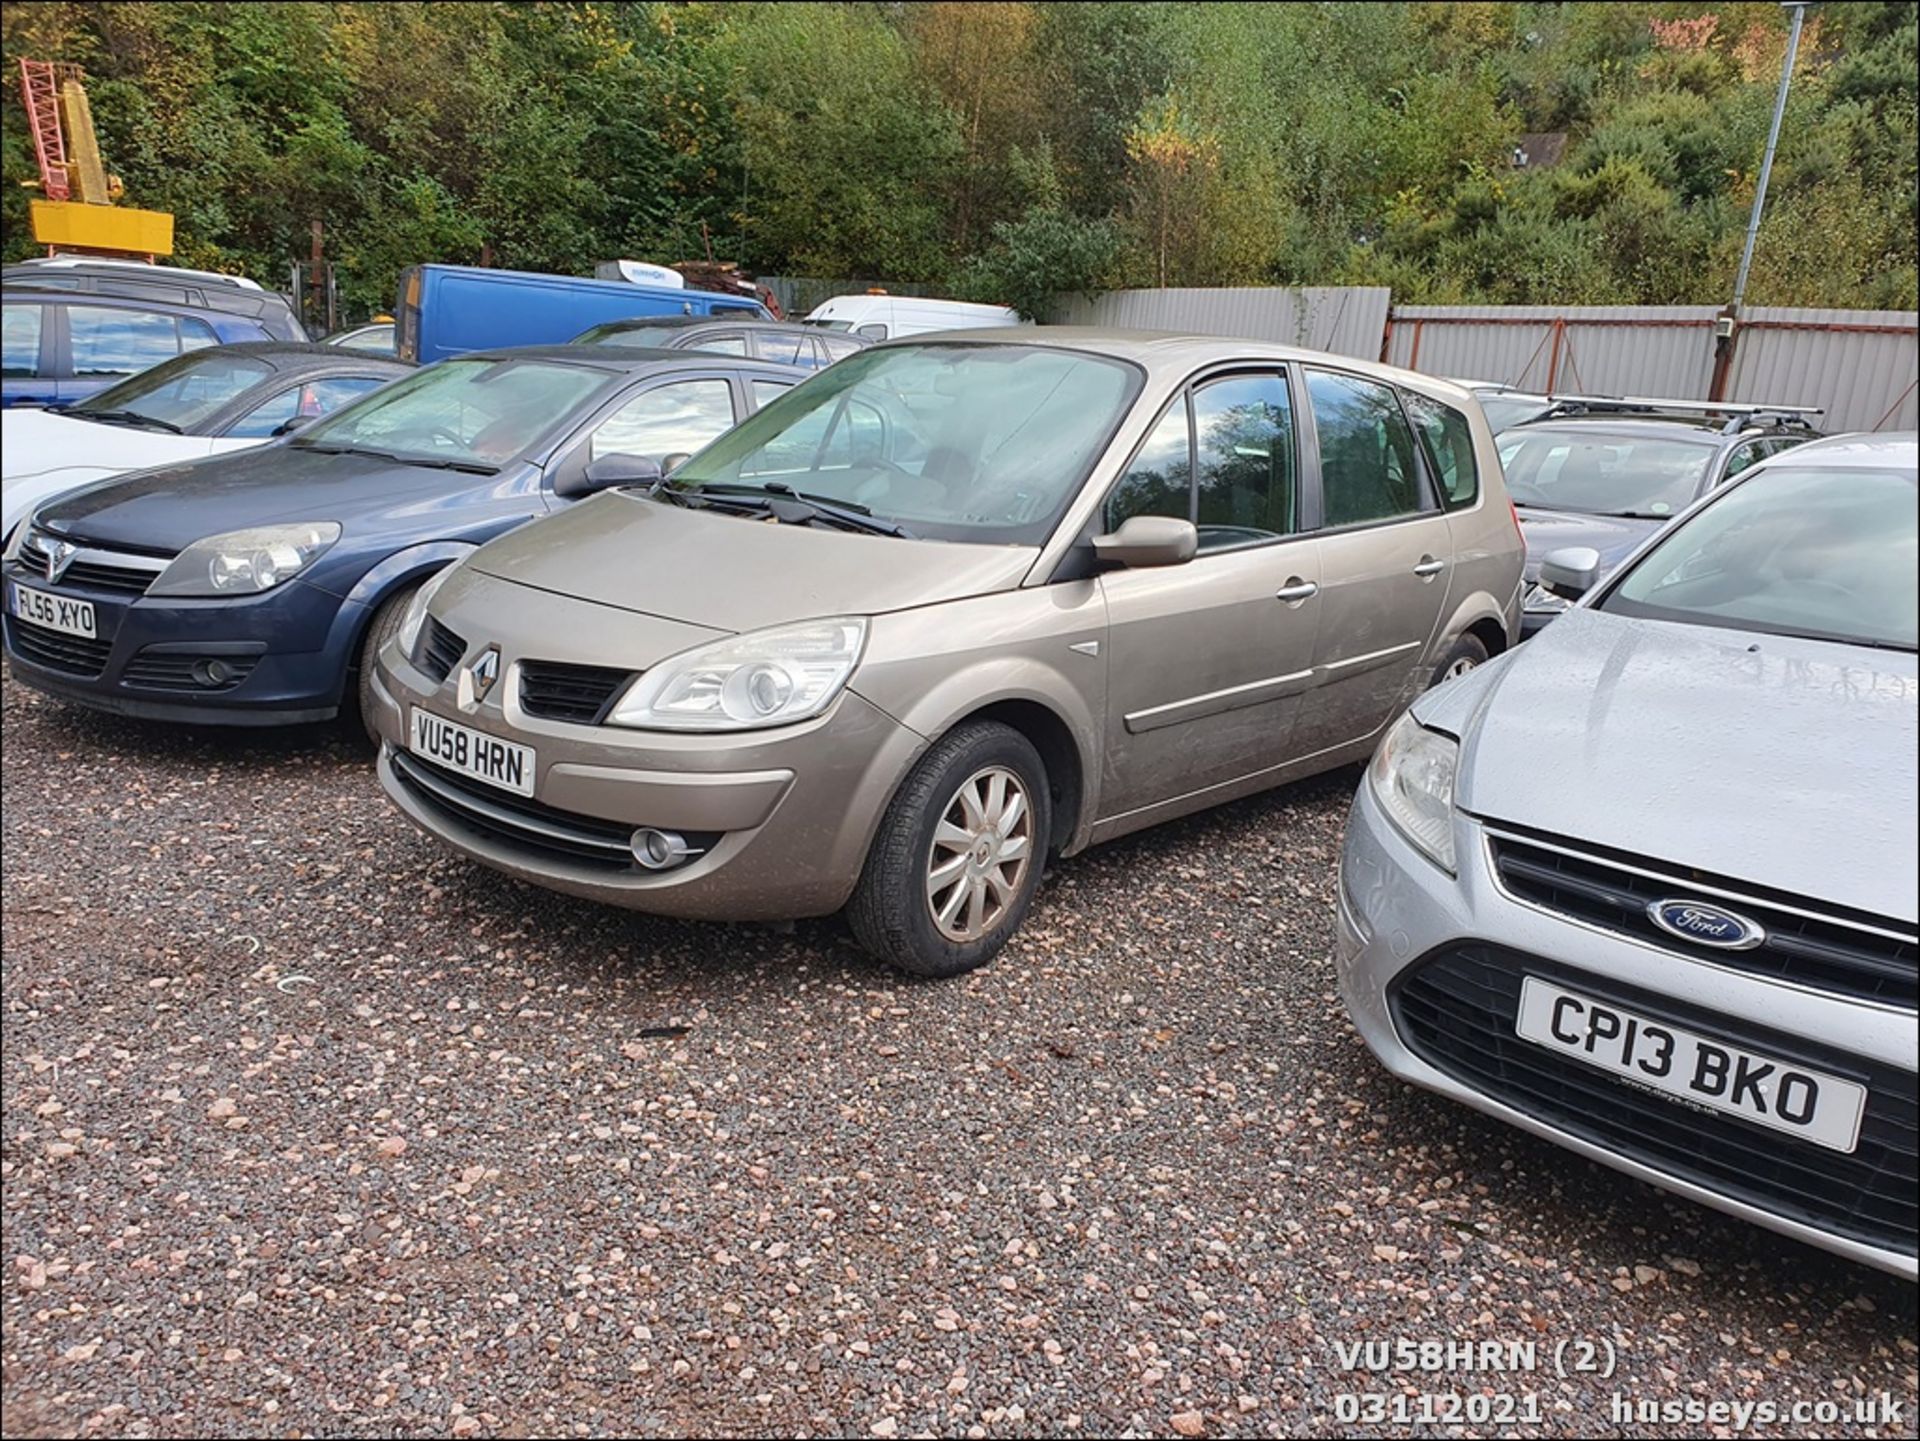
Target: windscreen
181	392
958	442
476	412
1568	467
1831	554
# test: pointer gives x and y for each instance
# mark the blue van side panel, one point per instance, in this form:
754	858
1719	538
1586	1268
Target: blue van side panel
467	308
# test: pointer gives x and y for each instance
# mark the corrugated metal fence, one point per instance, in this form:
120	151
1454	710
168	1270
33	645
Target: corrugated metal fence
1861	366
1343	320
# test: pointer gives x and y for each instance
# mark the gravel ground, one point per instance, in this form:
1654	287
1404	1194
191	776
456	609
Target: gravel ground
311	1128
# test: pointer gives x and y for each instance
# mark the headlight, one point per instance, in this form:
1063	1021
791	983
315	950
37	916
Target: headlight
19	537
768	678
1412	778
246	562
1539	598
416	615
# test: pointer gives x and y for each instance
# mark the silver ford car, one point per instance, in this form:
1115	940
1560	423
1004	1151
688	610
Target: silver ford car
1645	886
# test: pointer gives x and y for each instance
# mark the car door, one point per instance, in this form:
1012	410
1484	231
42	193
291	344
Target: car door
28	361
662	418
106	343
1209	660
1385	558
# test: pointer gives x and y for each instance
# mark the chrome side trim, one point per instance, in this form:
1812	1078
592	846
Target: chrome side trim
1214	702
1368	661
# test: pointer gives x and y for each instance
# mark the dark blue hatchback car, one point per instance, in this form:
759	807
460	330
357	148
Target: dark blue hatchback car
252	589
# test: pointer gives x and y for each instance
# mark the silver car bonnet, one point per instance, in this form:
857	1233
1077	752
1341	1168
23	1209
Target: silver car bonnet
736	573
1784	763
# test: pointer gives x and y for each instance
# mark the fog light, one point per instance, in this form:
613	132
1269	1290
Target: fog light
212	673
659	850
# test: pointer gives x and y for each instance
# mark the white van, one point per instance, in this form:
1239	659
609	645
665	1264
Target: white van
879	316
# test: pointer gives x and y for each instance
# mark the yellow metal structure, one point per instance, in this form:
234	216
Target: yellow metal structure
73	225
86	171
78	212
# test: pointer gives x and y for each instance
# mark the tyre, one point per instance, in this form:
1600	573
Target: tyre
958	856
357	714
1462	656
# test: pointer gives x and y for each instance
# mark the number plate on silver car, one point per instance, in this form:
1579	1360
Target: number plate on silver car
473	753
1823	1109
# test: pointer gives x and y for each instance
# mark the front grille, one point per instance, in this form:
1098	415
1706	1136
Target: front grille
545	831
438	650
1456	1010
583	693
159	671
130	578
55	650
1860	957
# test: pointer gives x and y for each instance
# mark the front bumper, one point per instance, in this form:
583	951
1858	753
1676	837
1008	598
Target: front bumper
783	817
1398	914
288	647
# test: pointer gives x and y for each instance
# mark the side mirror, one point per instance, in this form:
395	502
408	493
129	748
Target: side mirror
1571	572
669	464
1148	540
291	424
604	472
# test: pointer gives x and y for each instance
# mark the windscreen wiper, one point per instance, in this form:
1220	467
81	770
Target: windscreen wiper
795	507
428	462
126	417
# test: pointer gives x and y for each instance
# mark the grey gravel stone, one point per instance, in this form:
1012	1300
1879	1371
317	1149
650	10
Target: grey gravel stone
312	1128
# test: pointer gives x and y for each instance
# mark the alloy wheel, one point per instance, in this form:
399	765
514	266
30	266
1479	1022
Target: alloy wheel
981	849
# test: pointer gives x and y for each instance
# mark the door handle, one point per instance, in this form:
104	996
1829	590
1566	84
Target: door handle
1296	590
1429	566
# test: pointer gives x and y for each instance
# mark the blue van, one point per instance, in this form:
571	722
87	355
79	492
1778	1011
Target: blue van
448	310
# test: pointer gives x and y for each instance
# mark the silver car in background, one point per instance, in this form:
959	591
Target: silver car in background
948	607
1646	885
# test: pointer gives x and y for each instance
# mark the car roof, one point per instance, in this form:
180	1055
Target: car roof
286	352
1166	353
630	358
1895	450
85	263
687	322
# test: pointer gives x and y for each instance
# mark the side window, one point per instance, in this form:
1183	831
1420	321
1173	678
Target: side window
765	392
1746	454
1160	479
1367	470
733	343
783	347
20	327
316	398
833	348
668	419
196	334
1449	445
119	342
268	416
1245	479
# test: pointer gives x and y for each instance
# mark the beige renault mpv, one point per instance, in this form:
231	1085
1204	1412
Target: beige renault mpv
947	608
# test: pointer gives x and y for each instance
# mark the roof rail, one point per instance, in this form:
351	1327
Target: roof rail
1740	414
